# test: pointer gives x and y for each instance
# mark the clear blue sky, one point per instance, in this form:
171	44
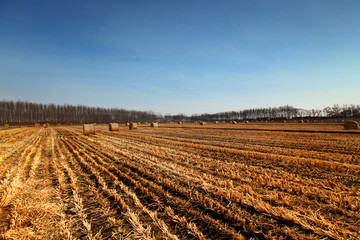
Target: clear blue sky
188	56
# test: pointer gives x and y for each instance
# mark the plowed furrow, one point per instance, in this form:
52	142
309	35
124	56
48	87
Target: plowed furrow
132	170
352	216
133	212
243	173
141	191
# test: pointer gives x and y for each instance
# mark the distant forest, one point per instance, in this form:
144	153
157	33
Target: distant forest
21	113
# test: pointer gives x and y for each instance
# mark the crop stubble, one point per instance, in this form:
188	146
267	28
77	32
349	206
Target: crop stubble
178	183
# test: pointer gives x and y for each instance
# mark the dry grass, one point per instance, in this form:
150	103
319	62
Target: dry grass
180	182
31	207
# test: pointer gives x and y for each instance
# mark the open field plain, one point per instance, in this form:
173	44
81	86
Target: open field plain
218	181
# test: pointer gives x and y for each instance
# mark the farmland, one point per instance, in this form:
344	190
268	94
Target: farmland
181	181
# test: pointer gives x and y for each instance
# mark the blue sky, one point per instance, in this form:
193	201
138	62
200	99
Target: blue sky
184	56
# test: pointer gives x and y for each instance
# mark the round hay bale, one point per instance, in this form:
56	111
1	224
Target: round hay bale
202	123
246	121
233	122
301	121
127	124
89	129
216	122
6	125
283	121
179	122
113	127
154	124
351	125
37	125
132	125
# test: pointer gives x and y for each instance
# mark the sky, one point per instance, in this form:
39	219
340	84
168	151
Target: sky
188	56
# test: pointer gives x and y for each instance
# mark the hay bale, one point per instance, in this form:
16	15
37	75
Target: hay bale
301	121
233	122
132	125
179	122
37	125
127	124
216	122
113	127
89	129
351	125
154	124
283	121
246	121
202	123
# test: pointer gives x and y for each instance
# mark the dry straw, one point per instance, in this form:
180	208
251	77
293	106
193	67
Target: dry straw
133	125
351	125
113	127
154	124
89	129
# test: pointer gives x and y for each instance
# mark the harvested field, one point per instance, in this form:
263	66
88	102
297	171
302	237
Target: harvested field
219	181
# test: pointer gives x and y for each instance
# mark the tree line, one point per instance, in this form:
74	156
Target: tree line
272	113
29	113
22	113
